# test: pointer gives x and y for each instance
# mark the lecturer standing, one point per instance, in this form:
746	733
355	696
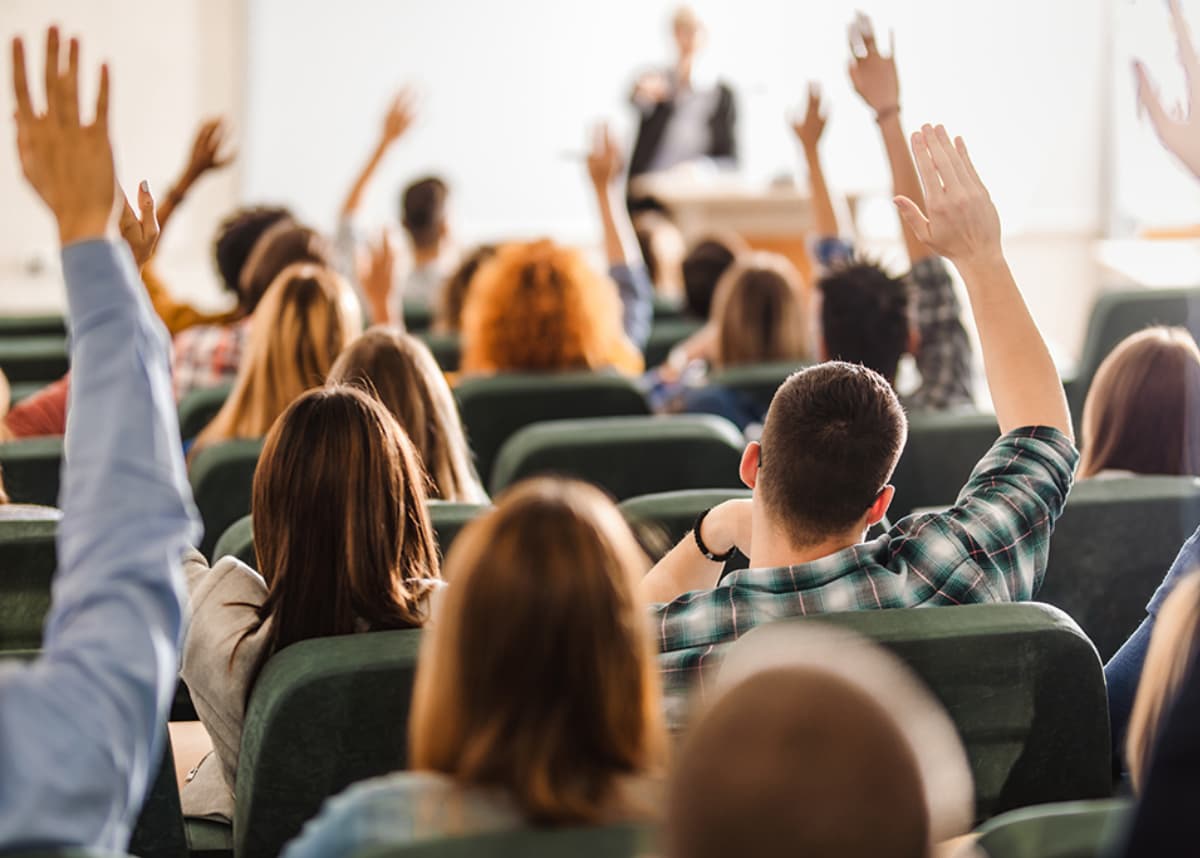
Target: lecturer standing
683	117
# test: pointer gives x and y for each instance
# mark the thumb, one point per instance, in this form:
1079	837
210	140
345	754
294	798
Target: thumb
913	217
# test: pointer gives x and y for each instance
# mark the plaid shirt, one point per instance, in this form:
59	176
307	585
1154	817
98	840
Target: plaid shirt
944	356
208	356
990	547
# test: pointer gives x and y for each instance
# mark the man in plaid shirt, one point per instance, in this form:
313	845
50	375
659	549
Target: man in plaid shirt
831	440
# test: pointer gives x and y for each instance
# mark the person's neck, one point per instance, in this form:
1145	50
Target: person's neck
770	549
423	256
683	72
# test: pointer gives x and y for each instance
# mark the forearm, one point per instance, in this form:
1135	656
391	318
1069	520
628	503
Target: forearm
353	199
1021	375
174	197
620	243
824	216
905	181
682	570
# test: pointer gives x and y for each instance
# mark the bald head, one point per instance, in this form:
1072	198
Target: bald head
796	762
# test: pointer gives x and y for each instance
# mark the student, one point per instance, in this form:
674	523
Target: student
306	318
832	438
502	740
865	311
664	249
344	545
1142	413
80	725
447	318
540	307
400	372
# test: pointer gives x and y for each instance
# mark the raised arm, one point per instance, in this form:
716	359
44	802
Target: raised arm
875	80
211	150
625	262
400	116
960	223
80	727
808	131
1179	131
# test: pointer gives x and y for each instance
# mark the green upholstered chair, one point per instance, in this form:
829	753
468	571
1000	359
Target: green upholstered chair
198	409
666	517
605	842
1074	829
1024	687
1116	315
494	408
418	316
942	450
1111	548
627	456
448	519
222	478
446	349
32	468
759	381
665	334
159	832
34	358
667	308
28	558
324	714
49	324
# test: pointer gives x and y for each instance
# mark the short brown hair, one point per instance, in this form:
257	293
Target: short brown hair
399	371
423	210
448	317
831	440
280	246
703	266
759	313
865	316
539	675
1142	412
341	534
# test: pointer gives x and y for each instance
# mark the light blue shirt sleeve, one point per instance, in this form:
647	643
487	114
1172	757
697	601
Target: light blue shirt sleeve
637	301
81	727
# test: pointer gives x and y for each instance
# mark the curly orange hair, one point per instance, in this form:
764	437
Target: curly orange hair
538	306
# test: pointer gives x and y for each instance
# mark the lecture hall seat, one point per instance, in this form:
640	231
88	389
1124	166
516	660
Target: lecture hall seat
1077	829
222	478
198	408
32	468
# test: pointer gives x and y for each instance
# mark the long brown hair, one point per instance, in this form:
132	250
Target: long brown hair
540	307
539	676
341	534
1171	649
305	319
400	372
1142	412
759	313
447	318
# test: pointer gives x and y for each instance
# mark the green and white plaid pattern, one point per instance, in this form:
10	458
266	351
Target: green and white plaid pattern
990	547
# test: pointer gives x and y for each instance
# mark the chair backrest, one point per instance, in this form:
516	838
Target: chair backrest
324	714
1116	315
32	469
1074	829
672	514
50	324
198	409
942	450
446	349
665	334
627	456
759	381
222	478
494	408
447	519
40	357
605	842
1024	687
418	315
64	852
1111	548
28	557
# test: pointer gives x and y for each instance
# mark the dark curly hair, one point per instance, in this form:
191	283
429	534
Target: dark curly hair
864	316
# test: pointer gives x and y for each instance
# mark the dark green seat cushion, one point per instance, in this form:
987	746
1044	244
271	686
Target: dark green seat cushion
34	358
758	381
446	349
608	842
494	408
198	409
46	324
324	714
1077	829
28	558
942	450
627	456
1111	549
665	334
32	469
1024	688
418	316
222	478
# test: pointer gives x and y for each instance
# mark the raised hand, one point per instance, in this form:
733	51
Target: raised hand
1179	130
67	161
652	88
402	112
377	274
809	129
140	231
604	158
211	150
872	73
960	221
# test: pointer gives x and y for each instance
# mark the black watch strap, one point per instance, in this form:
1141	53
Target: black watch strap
716	558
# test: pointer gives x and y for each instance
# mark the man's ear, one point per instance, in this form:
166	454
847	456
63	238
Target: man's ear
750	460
879	508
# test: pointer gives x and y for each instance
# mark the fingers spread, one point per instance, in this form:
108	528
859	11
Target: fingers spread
925	165
53	106
952	159
69	84
21	82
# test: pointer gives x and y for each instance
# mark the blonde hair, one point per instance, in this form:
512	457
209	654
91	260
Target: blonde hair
306	317
1142	412
539	307
399	371
760	313
1171	647
539	675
